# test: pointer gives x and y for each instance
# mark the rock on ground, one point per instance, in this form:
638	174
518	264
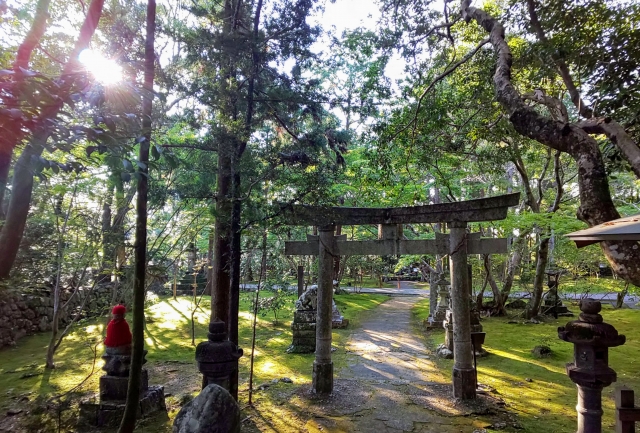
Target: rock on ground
214	410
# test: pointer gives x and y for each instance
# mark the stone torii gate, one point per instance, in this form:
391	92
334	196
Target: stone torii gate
458	244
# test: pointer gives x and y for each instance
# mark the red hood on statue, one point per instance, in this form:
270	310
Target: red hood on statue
118	333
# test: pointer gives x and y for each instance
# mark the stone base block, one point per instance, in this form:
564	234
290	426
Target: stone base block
464	383
304	334
109	413
304	316
431	324
340	324
302	327
301	348
323	378
304	341
115	388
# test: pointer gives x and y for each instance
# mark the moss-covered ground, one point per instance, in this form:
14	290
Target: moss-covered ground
539	389
27	386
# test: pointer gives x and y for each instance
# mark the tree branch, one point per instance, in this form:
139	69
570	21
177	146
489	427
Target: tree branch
613	130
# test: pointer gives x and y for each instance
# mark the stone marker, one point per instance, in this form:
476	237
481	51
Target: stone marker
214	410
303	326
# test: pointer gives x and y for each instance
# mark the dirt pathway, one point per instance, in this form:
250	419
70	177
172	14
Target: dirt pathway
391	384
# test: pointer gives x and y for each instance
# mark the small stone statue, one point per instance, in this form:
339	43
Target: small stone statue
113	385
308	301
117	344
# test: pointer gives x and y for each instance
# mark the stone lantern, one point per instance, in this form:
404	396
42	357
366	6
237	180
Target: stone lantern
217	359
590	370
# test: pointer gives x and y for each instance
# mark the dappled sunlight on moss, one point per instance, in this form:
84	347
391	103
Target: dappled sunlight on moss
512	355
547	401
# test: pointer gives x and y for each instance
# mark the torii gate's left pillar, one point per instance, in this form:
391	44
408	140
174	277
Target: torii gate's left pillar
323	366
464	375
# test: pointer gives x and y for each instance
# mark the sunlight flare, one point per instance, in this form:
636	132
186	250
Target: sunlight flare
104	70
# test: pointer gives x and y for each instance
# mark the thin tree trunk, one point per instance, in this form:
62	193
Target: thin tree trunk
263	265
620	296
514	264
128	422
480	297
533	306
209	290
498	308
55	321
108	252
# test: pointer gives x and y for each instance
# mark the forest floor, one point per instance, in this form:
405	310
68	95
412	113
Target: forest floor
387	377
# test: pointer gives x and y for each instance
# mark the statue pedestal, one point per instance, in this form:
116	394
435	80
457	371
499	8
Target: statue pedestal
113	392
304	332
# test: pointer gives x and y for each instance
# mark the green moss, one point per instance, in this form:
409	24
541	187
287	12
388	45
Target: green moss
169	342
547	402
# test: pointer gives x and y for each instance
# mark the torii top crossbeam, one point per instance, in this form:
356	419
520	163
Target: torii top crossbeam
483	209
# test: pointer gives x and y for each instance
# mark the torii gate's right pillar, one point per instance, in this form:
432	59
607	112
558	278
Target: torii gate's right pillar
464	375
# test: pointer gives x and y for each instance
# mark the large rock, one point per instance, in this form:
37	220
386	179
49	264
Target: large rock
214	410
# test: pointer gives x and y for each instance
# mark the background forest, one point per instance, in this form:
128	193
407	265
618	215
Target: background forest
195	129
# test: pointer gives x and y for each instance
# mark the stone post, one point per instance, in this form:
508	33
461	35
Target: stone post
191	257
433	292
300	280
590	369
323	366
464	375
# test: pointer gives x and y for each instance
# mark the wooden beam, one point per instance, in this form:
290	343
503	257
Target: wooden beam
484	209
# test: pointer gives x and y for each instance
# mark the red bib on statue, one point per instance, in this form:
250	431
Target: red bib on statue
118	333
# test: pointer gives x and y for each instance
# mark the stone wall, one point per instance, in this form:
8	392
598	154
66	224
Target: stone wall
28	313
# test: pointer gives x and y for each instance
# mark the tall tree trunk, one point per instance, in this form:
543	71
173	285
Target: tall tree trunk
222	245
596	205
16	217
236	254
512	267
11	129
21	190
128	423
336	259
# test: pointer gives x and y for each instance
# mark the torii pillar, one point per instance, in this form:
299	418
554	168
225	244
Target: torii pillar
323	365
464	375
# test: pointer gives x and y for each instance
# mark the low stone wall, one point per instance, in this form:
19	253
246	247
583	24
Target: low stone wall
28	313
